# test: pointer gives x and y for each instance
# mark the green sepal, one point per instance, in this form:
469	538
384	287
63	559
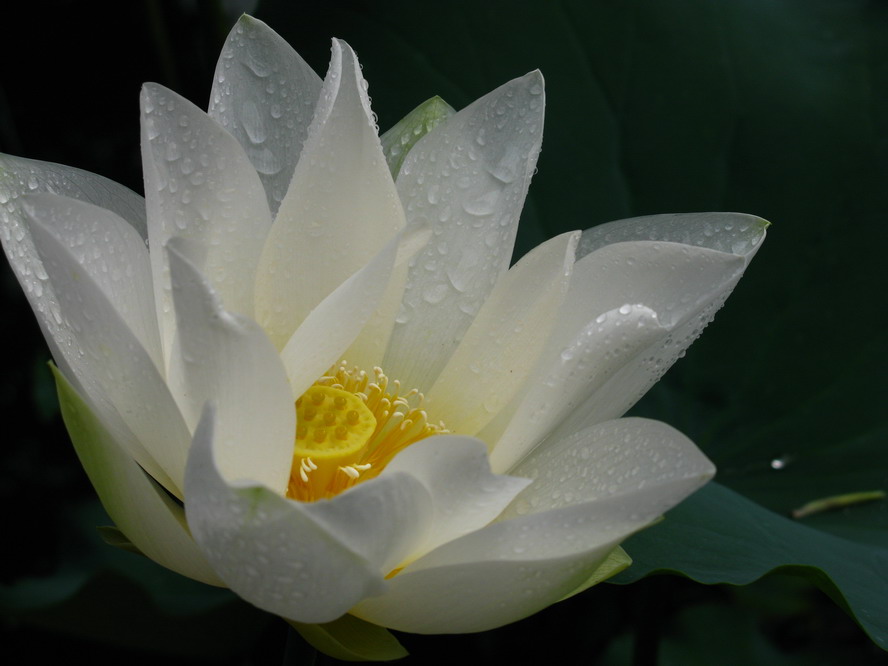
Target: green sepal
401	138
114	537
351	639
616	561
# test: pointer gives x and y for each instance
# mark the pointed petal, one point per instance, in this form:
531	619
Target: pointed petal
340	210
200	185
502	345
111	364
112	253
145	514
265	95
20	176
527	561
733	233
631	311
306	562
466	496
228	359
398	141
467	179
610	459
578	370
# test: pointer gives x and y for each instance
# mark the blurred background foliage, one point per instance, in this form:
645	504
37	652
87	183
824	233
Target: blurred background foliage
772	107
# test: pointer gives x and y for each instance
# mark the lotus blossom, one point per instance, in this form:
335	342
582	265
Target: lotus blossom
302	367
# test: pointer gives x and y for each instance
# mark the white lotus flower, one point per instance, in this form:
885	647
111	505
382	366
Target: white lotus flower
284	264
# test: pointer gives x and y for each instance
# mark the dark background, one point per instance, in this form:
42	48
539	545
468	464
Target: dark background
772	107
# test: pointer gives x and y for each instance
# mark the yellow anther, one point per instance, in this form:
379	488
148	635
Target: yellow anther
353	423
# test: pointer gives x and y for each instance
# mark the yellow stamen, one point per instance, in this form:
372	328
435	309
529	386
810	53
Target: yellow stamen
349	427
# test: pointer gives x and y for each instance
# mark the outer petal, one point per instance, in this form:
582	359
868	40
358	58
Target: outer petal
228	359
265	95
734	233
199	184
340	210
20	176
515	567
153	522
598	364
502	345
610	459
305	562
465	495
112	253
614	340
117	374
467	179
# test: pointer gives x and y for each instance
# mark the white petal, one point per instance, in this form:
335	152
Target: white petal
466	496
144	512
333	325
502	345
515	567
467	179
369	346
265	95
341	208
609	459
305	562
20	176
577	371
670	278
200	185
112	253
631	311
734	233
503	572
228	359
116	372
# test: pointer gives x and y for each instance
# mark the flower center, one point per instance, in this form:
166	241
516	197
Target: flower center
349	426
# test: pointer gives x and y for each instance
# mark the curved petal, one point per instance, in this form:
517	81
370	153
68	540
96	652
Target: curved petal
733	233
264	94
341	208
200	185
517	566
112	253
503	572
305	562
368	347
603	347
609	459
465	494
20	176
333	325
502	345
111	364
631	311
153	522
467	178
228	359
